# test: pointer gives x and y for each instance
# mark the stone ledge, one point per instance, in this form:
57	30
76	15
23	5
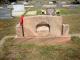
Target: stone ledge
43	41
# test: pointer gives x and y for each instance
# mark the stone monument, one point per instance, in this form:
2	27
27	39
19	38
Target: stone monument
43	26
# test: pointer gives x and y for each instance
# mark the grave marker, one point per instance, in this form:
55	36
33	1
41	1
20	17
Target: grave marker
18	10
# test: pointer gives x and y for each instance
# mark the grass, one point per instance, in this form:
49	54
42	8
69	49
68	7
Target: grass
69	11
38	9
76	40
7	27
74	22
12	51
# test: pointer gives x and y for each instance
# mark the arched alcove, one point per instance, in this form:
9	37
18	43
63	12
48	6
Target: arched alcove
43	27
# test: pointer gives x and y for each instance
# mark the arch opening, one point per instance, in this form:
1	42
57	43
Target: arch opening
43	27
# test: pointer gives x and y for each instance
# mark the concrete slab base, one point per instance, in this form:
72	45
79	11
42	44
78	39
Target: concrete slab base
43	41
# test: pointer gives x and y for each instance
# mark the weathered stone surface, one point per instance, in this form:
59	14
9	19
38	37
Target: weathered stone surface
65	29
54	23
43	41
43	30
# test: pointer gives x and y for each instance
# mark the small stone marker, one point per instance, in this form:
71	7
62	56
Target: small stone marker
65	29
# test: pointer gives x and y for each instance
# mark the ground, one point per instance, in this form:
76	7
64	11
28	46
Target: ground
7	27
12	51
67	51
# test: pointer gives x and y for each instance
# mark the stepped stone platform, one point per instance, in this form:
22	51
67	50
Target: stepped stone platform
43	41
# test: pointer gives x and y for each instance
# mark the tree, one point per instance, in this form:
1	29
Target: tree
75	2
4	1
12	1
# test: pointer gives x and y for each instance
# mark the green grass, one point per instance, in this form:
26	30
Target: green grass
12	51
68	11
7	27
38	9
76	40
74	22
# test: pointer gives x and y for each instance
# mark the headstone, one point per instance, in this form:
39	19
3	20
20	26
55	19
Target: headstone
73	7
50	11
49	6
29	6
5	13
50	2
65	29
18	10
13	3
63	3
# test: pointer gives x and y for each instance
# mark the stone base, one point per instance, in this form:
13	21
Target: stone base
43	41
